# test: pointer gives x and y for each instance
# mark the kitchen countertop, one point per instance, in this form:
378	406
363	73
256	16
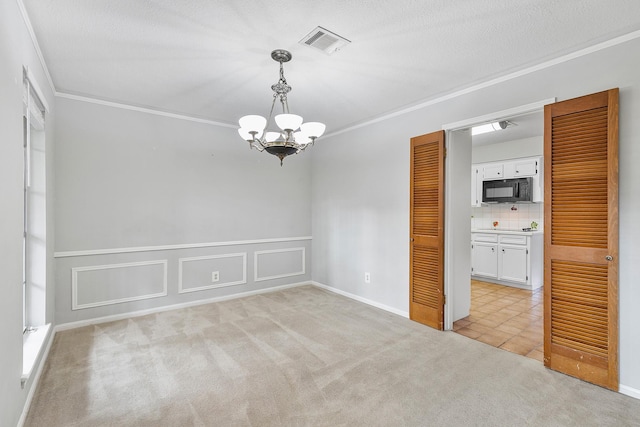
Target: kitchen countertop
505	231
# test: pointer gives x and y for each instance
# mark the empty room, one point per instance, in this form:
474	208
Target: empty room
248	213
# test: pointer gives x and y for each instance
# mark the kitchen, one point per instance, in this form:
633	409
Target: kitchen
507	222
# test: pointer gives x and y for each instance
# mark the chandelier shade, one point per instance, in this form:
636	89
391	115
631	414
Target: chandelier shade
313	129
272	136
294	135
288	122
252	123
301	138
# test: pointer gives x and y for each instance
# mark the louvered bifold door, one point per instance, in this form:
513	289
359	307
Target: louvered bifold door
581	238
427	230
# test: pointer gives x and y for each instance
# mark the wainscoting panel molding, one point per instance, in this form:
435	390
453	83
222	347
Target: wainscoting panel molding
222	269
98	283
278	263
135	273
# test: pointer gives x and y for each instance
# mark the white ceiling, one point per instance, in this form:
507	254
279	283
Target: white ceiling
520	127
211	59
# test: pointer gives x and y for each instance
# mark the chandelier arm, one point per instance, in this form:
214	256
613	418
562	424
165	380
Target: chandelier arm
273	103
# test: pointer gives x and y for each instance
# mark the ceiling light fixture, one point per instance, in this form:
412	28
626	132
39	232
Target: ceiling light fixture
489	127
294	136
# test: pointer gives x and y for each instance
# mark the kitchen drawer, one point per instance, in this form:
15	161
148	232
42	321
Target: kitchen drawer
481	237
513	239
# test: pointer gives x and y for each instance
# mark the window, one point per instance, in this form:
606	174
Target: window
34	237
34	232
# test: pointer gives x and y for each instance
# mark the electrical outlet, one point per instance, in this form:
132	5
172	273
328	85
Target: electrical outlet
367	277
215	276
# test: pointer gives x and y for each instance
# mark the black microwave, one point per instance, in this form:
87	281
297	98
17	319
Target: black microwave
507	190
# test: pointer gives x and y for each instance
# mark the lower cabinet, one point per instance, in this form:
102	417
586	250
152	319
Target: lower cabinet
508	258
484	259
512	263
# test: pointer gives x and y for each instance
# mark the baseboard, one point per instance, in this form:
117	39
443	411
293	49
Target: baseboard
629	391
36	379
121	316
361	299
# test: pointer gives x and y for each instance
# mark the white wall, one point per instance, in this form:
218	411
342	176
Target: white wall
527	147
16	51
129	179
458	228
361	185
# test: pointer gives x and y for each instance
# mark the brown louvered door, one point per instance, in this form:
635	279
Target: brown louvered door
426	272
581	238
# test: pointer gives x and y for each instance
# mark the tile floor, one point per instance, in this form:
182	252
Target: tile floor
505	317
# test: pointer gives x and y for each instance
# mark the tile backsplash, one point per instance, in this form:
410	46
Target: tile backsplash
508	218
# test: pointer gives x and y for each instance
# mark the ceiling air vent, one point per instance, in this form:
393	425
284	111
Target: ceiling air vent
324	40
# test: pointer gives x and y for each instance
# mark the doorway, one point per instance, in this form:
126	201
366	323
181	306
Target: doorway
501	313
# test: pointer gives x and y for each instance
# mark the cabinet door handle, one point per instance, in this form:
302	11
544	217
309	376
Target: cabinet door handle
503	251
609	258
493	249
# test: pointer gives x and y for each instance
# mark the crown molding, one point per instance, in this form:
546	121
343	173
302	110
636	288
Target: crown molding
36	45
543	65
146	110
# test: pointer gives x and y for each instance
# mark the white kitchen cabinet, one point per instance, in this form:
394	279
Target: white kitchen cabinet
510	258
512	263
521	168
493	171
506	169
484	259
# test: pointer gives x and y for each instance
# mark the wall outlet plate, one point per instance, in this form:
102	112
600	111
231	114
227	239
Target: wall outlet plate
215	276
367	277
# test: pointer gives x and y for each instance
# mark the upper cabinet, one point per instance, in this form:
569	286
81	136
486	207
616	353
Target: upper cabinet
492	171
521	168
506	169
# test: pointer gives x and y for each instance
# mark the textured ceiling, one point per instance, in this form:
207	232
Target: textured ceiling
211	59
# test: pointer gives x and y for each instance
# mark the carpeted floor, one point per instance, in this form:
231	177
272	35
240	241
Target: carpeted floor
299	357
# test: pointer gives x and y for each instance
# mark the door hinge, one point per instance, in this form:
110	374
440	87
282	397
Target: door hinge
445	152
444	299
527	251
526	278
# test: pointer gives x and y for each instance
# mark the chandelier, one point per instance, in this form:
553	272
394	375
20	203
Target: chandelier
293	136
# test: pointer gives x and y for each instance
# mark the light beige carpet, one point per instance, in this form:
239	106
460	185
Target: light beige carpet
302	357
